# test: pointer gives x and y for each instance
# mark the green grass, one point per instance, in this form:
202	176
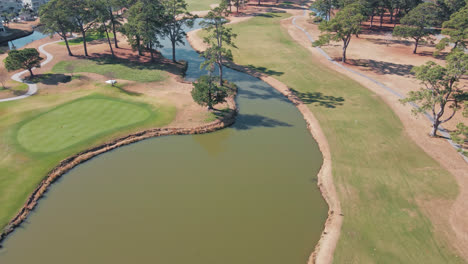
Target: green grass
89	38
381	175
113	70
200	5
77	121
38	132
16	87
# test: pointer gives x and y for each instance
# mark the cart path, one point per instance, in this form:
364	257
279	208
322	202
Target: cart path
32	86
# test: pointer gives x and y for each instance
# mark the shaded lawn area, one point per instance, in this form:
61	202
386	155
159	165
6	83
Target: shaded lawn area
200	5
113	69
38	132
89	38
380	174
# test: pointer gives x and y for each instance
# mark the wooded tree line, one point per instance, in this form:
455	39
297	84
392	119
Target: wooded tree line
440	94
143	22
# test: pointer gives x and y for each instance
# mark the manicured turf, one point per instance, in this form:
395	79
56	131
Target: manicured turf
89	38
200	5
15	86
38	132
112	70
382	176
76	121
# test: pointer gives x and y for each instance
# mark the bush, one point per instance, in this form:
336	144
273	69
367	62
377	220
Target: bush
317	19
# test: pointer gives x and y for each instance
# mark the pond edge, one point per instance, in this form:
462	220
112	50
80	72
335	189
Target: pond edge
69	163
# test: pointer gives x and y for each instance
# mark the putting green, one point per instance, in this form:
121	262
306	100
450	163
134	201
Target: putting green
78	121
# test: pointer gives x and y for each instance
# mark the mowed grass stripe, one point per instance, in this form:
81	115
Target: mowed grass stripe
200	5
77	121
140	73
382	177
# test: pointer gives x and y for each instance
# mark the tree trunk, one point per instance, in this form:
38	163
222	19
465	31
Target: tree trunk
151	51
139	45
173	51
435	127
381	19
220	65
415	46
371	20
110	44
258	2
68	46
343	58
30	73
114	31
84	42
391	16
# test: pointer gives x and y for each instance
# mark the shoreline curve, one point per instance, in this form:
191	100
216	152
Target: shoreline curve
69	163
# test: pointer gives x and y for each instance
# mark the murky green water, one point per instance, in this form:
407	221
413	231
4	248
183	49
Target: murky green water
243	195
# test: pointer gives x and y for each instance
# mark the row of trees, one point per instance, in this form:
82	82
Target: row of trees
396	8
439	93
417	24
145	21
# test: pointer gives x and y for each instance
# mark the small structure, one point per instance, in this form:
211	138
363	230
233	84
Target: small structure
111	82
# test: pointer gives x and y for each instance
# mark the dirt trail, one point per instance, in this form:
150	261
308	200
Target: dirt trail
440	213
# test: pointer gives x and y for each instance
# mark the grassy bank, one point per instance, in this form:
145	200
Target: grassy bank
200	5
113	69
382	177
89	38
38	132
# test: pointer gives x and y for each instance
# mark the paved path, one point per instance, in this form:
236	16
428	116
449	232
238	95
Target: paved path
442	131
32	86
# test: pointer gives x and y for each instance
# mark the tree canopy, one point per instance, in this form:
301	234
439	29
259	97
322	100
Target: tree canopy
456	30
439	89
23	59
207	92
342	27
178	17
219	39
55	17
417	22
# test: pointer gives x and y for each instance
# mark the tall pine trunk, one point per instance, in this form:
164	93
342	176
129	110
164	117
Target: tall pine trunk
416	46
220	65
30	73
173	51
381	18
150	47
66	44
83	33
435	127
139	45
114	31
109	41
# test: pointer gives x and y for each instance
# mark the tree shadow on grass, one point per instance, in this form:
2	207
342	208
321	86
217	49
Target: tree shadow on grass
50	78
383	67
265	70
318	98
121	88
249	121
